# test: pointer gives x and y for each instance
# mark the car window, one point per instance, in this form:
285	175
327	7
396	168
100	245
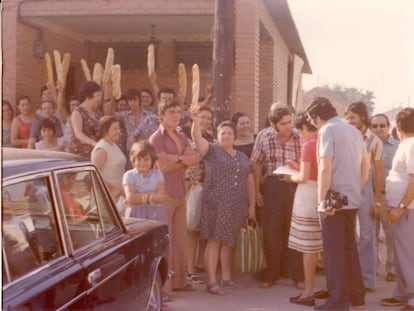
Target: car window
85	207
30	235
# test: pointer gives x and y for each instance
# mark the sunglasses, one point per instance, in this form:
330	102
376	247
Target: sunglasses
382	125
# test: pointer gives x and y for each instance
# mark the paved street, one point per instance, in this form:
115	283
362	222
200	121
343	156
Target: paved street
250	297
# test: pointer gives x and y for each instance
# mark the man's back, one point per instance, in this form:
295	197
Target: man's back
345	144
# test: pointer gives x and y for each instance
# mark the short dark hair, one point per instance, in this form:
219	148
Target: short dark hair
360	109
141	149
405	120
162	107
145	90
47	124
132	94
235	118
204	107
228	123
381	115
19	99
88	89
167	90
321	107
105	123
302	120
277	114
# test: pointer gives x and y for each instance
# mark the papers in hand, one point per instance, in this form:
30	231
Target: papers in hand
285	170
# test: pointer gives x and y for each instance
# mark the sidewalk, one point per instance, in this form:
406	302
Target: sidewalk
250	297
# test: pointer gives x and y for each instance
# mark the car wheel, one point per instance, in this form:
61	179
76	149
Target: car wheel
155	298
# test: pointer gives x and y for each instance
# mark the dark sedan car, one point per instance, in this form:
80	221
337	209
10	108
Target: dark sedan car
64	244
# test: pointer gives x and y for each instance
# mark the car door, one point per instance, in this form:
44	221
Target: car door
100	244
37	274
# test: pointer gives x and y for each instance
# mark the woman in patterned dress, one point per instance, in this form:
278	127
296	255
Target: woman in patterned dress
85	120
228	198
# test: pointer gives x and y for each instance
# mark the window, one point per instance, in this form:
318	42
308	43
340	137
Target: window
30	235
86	208
190	53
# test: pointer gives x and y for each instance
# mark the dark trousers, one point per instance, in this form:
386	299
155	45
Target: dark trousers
343	271
276	216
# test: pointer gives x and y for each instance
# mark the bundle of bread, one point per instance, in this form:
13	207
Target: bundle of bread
182	81
196	85
62	67
150	60
98	72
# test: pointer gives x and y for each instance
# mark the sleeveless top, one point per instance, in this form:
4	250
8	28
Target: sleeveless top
24	129
90	127
114	167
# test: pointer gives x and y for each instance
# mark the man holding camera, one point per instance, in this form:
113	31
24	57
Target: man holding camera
343	167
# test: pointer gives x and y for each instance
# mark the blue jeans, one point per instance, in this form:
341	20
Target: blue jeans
343	272
367	244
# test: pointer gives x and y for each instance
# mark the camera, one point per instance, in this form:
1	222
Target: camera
333	200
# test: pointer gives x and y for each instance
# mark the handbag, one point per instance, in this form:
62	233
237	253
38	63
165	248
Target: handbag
248	252
194	206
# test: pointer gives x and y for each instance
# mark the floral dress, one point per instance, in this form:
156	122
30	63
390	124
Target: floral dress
90	127
225	195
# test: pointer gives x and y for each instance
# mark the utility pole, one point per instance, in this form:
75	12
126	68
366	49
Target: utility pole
223	59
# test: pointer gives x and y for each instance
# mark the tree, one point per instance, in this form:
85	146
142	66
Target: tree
351	94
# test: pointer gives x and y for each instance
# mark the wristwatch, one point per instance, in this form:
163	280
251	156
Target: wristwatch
402	205
179	158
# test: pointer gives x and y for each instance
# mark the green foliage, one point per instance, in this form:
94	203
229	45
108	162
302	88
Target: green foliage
351	94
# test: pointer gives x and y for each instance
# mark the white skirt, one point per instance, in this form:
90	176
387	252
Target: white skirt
305	233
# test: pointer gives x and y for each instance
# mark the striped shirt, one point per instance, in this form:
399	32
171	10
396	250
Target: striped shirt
269	151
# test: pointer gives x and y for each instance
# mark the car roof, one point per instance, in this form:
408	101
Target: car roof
21	161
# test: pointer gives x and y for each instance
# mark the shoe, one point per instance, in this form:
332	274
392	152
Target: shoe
408	308
392	302
214	289
228	284
305	301
321	294
194	278
390	277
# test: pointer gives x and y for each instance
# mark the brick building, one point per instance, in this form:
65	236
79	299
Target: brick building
267	45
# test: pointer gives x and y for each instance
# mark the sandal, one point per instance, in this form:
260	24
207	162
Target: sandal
214	289
228	284
194	278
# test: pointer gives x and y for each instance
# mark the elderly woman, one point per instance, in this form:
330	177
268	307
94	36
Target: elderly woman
85	120
108	157
245	138
399	190
228	198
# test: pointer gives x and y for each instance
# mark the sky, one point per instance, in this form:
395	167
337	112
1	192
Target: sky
366	44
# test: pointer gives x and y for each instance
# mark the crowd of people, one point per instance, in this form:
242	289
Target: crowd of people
351	178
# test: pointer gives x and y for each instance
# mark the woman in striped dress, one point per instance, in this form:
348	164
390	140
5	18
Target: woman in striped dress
305	232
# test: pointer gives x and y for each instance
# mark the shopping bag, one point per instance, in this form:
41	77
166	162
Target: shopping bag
194	206
248	253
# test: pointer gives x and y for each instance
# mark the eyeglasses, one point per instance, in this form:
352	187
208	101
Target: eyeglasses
381	125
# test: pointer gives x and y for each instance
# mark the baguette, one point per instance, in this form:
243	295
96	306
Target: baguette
182	81
196	85
58	65
108	66
65	68
150	60
116	81
86	70
98	73
50	78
